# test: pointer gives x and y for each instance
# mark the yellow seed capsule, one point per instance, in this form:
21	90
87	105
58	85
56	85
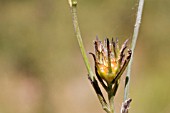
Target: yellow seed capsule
110	61
103	71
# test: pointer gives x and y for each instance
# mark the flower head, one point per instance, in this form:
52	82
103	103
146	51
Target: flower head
110	61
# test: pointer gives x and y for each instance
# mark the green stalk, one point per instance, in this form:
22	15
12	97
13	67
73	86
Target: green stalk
73	6
134	39
110	98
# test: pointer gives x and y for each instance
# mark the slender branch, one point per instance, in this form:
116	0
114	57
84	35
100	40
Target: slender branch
134	39
73	6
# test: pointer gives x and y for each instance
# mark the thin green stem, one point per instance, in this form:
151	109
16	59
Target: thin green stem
111	102
111	98
73	6
134	39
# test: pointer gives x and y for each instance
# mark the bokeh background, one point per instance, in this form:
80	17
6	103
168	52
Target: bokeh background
41	68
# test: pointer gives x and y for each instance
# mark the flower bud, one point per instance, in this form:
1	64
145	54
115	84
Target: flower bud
110	61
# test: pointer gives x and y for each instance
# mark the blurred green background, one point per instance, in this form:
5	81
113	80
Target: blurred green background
41	68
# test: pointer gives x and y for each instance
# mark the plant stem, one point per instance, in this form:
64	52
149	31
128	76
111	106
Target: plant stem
111	98
111	101
134	39
73	6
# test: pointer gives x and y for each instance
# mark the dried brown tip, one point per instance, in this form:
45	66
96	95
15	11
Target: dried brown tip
94	57
114	48
125	105
124	46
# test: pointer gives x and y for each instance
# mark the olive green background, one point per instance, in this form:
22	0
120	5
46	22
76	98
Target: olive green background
41	68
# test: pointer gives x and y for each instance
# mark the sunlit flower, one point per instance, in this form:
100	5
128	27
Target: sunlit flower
110	61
